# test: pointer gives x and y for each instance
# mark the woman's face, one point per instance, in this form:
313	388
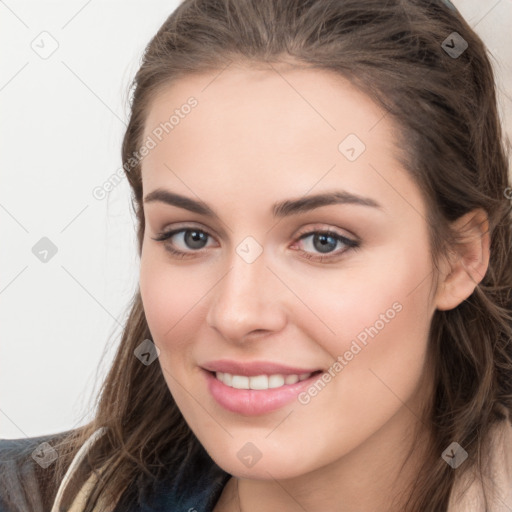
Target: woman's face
250	295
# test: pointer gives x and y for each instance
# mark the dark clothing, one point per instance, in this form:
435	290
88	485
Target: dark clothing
196	488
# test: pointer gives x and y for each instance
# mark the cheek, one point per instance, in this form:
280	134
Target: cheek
170	294
378	322
383	296
168	297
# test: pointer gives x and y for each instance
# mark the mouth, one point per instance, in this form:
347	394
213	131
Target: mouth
254	395
261	382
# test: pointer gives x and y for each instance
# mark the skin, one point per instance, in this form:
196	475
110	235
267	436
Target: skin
257	137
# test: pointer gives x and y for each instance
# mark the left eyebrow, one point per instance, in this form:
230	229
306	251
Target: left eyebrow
280	209
295	206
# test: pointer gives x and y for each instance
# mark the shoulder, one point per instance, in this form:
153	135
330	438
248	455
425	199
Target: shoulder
195	483
501	460
491	491
23	466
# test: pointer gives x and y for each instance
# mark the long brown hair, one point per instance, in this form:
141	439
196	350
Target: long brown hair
454	149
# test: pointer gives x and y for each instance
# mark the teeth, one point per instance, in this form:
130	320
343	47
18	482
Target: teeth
275	381
259	381
291	379
240	382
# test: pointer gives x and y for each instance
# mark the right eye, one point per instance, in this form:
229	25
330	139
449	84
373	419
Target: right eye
194	238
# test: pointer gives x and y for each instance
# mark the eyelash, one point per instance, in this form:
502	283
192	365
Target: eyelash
348	242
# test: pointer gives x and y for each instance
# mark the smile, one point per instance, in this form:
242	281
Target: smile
260	382
253	395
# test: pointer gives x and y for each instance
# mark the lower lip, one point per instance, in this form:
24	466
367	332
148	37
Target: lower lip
251	402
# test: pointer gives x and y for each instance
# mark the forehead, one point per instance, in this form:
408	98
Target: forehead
261	128
260	100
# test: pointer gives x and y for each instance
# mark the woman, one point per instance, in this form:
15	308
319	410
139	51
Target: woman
324	311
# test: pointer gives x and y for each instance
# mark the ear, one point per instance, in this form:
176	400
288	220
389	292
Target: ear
467	262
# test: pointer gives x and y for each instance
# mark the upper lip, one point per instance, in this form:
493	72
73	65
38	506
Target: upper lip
253	368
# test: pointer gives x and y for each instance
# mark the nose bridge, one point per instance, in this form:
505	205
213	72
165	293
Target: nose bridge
245	300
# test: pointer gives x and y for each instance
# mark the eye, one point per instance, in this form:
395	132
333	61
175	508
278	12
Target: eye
194	238
323	241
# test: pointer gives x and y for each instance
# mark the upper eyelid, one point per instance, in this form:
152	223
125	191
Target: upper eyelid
315	228
319	229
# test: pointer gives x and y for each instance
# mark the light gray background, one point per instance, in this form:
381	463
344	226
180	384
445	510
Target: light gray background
63	118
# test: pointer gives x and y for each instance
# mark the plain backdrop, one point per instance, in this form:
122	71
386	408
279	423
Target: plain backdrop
69	264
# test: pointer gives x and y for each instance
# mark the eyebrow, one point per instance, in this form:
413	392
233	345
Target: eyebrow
280	209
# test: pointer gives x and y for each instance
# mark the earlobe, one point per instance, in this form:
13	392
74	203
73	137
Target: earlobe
468	261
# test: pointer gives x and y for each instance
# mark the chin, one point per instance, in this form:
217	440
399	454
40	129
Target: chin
272	464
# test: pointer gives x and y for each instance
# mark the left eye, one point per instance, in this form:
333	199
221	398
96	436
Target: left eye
322	241
326	241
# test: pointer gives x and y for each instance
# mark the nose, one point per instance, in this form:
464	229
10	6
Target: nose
247	302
